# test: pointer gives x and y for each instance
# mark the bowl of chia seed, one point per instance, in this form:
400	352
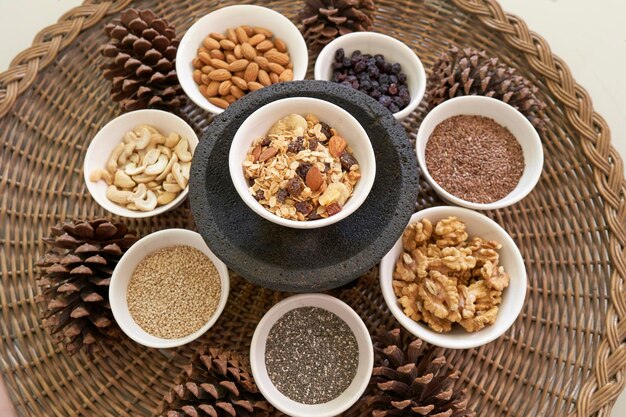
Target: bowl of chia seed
311	356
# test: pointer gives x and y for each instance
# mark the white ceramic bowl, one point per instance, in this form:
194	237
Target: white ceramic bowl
258	124
512	297
506	116
376	43
124	271
230	17
111	134
364	369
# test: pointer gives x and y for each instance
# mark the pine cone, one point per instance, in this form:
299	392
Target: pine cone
143	65
74	279
411	379
324	20
468	72
216	383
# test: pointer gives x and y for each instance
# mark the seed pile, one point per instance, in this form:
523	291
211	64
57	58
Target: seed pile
173	292
474	158
311	355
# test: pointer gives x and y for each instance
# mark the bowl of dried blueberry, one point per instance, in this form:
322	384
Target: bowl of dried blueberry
377	65
302	162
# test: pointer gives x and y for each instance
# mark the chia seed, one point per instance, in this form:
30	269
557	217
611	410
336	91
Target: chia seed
311	355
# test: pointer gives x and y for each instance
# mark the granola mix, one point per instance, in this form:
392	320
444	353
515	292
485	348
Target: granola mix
302	169
444	277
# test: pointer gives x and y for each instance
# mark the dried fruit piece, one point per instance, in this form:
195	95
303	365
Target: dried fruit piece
333	209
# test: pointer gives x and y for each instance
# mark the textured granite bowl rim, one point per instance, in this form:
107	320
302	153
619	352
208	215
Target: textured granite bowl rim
259	122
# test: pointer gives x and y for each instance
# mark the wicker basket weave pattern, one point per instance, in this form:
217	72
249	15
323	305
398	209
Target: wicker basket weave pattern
565	355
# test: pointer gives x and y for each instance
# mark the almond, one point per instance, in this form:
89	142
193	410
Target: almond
212	88
248	51
230	57
287	75
314	178
225	87
202	89
219	75
263	31
239	74
256	152
218	63
232	36
237	92
337	146
242	36
252	72
249	30
206	69
197	76
227	44
210	43
197	63
264	46
253	86
276	68
205	79
205	58
273	77
263	62
256	39
237	51
277	57
238	65
217	54
264	78
240	82
217	36
280	45
219	102
267	154
230	99
203	49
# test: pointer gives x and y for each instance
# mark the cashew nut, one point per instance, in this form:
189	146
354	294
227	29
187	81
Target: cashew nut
182	150
143	137
134	158
131	206
185	168
171	187
157	167
140	192
172	139
126	153
130	137
151	157
157	139
131	169
153	185
143	178
112	162
149	128
177	172
165	150
166	198
148	203
100	174
168	168
117	196
122	180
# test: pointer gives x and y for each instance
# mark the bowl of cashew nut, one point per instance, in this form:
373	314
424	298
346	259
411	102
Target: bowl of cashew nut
138	164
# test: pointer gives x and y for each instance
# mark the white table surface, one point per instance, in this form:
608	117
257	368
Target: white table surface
589	36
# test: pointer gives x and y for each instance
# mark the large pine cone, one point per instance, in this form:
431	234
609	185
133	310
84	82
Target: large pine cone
216	383
143	65
74	279
411	379
324	20
460	72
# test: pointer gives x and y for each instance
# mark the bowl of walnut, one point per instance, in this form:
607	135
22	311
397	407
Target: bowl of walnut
455	278
302	162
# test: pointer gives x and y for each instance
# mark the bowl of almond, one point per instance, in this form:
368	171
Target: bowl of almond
237	50
302	162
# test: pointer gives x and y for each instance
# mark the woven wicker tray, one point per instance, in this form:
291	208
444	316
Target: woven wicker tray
564	355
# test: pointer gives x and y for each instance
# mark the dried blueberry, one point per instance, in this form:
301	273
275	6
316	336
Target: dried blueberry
259	195
386	67
342	77
360	67
393	79
346	62
314	216
385	100
326	130
313	144
393	108
265	142
397	100
402	77
393	89
373	71
376	94
339	54
356	53
396	68
282	195
346	83
304	207
366	85
296	145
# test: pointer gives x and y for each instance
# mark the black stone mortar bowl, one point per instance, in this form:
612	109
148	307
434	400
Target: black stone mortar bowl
299	260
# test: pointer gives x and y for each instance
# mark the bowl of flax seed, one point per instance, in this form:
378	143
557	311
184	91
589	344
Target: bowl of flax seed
479	152
168	289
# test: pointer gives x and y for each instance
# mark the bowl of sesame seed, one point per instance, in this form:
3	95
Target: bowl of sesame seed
168	289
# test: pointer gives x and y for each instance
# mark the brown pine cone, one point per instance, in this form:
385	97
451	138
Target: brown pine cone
74	279
460	72
142	49
324	20
216	383
410	379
